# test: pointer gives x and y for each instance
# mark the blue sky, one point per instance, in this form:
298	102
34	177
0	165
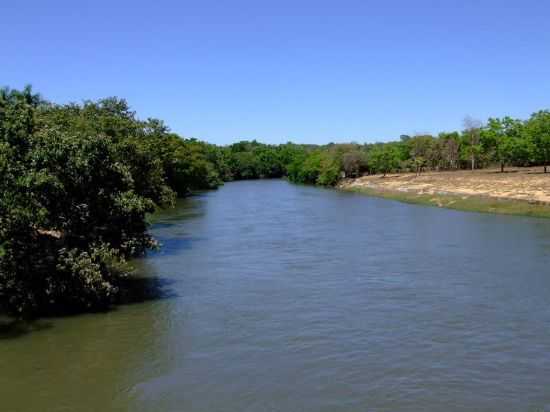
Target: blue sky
306	71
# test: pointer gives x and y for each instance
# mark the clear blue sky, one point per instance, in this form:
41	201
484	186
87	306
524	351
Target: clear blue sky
307	71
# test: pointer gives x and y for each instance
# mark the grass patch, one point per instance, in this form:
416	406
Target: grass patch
462	202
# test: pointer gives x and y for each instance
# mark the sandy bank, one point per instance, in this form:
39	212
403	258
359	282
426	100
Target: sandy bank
524	191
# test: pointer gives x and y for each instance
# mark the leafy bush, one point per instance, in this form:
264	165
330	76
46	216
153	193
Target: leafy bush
76	185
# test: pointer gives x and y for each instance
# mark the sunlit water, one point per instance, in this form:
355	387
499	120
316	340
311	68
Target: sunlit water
276	297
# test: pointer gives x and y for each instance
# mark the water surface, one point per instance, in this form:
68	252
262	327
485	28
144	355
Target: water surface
277	297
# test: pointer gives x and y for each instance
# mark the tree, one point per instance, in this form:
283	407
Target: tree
515	150
502	140
353	163
420	151
471	131
537	130
384	158
74	194
450	146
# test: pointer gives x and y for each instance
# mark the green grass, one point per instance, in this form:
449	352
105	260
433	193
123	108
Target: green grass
466	203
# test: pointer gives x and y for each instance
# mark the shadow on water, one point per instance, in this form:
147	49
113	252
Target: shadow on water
14	328
144	286
168	221
172	246
145	289
134	290
187	208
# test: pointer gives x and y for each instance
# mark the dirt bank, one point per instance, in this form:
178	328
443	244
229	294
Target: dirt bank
523	191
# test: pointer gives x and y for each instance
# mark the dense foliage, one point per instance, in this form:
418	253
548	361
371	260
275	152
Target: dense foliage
76	184
503	142
78	180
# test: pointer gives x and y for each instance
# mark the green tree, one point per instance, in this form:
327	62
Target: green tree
537	130
450	147
471	136
74	194
384	158
503	140
354	162
421	151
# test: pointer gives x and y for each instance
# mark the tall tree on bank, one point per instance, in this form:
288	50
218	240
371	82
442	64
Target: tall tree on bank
471	129
384	158
537	130
503	141
450	143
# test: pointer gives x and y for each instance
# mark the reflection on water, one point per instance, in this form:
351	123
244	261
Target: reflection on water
268	296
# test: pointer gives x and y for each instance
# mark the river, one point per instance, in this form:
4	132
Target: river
268	296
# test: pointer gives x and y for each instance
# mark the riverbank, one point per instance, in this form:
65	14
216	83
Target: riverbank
517	191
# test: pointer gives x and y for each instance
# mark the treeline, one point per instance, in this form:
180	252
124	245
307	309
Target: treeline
503	142
77	182
500	142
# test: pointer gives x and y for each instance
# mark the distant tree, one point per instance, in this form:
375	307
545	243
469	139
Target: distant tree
353	163
471	131
384	158
537	130
329	172
502	140
450	146
515	150
421	151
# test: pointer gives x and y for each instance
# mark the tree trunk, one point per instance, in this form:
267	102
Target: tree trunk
501	167
473	162
545	168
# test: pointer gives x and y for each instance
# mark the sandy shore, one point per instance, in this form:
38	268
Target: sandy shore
516	191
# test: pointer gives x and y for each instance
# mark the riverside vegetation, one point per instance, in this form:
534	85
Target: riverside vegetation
77	182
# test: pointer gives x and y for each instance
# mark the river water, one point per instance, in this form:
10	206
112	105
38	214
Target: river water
269	296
